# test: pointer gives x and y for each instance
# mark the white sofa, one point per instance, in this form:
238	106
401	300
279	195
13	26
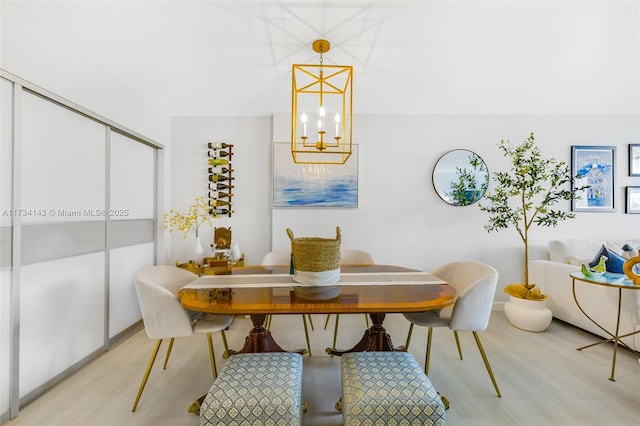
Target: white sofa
551	274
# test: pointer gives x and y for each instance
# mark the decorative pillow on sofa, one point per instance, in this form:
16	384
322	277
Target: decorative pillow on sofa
614	261
629	251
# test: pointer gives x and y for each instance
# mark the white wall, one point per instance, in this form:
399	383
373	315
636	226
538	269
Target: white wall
503	57
251	137
49	59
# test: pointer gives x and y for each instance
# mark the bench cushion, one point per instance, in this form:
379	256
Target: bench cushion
385	388
256	388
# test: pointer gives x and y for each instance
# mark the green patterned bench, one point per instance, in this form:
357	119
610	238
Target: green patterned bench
383	388
256	389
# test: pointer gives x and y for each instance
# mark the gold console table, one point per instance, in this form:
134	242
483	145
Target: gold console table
608	279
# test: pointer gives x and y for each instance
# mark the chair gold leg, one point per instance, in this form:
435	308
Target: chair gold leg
267	322
166	358
212	356
310	322
428	354
326	321
455	334
306	333
406	345
146	374
335	330
226	354
486	363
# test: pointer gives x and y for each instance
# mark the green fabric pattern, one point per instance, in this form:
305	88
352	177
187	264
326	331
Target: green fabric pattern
387	388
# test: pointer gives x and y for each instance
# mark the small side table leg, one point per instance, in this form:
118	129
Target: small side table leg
616	337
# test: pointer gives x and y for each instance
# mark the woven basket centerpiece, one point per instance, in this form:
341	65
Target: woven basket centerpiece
316	261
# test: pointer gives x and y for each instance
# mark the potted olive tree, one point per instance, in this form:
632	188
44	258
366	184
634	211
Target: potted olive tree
525	196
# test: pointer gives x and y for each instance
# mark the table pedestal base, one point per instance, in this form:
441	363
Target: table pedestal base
260	339
375	339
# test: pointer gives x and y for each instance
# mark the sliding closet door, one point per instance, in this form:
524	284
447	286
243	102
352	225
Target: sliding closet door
6	171
62	275
131	225
78	206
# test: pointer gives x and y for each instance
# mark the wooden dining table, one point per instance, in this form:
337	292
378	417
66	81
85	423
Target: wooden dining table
376	290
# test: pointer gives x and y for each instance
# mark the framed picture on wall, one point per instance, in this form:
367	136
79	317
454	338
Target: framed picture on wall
593	166
634	159
633	199
313	185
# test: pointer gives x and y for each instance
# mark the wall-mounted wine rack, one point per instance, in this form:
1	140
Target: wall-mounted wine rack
220	178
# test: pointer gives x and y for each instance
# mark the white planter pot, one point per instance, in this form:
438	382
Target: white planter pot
529	315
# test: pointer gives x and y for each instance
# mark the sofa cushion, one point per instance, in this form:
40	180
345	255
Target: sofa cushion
629	250
614	262
581	250
577	261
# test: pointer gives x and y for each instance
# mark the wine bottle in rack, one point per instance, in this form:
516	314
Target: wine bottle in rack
218	178
219	186
219	145
220	212
214	153
218	162
219	203
219	194
219	169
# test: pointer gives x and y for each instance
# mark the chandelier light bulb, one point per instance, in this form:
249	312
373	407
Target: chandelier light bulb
303	120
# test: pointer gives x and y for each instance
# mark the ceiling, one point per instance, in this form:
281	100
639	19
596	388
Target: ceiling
219	57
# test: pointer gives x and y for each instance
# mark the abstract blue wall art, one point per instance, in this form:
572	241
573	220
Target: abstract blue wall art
594	166
313	185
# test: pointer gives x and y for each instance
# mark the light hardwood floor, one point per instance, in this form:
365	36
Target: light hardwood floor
543	379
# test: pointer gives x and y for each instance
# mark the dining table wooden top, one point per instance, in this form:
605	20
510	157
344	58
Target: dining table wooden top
266	290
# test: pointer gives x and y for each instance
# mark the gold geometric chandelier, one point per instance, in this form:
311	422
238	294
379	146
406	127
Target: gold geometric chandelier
322	100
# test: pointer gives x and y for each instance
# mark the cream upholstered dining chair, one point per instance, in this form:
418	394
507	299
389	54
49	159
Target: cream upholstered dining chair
283	257
350	257
164	318
475	284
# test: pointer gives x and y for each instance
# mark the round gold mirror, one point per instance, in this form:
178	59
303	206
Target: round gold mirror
460	177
